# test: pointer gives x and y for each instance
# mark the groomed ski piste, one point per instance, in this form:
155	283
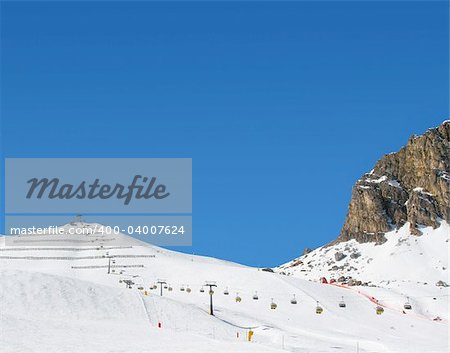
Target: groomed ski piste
61	299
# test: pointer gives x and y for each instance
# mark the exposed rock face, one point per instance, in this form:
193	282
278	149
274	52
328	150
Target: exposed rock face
307	251
339	256
411	185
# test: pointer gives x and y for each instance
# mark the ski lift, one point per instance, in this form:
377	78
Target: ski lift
202	290
273	306
407	305
255	296
293	300
188	290
182	288
342	303
319	309
165	286
379	310
238	298
225	292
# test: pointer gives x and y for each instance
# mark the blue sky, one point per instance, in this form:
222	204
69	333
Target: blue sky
282	106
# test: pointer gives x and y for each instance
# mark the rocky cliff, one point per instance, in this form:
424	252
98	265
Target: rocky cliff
411	185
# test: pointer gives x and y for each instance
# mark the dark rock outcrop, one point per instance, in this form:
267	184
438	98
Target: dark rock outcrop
411	185
307	251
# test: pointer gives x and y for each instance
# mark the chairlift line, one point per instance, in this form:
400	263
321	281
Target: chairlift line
379	310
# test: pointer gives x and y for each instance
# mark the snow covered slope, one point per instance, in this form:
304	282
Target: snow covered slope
58	299
402	257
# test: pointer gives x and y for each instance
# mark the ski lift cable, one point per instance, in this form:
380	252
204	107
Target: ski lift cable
302	296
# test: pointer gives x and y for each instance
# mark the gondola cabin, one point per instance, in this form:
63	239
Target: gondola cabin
407	305
293	300
319	309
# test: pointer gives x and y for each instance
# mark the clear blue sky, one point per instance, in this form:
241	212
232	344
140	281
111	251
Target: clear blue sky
282	106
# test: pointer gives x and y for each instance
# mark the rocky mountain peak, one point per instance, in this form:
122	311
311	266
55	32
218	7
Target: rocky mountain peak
411	185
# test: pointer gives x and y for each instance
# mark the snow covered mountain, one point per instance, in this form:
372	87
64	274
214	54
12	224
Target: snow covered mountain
61	299
396	234
380	287
397	225
409	186
404	262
